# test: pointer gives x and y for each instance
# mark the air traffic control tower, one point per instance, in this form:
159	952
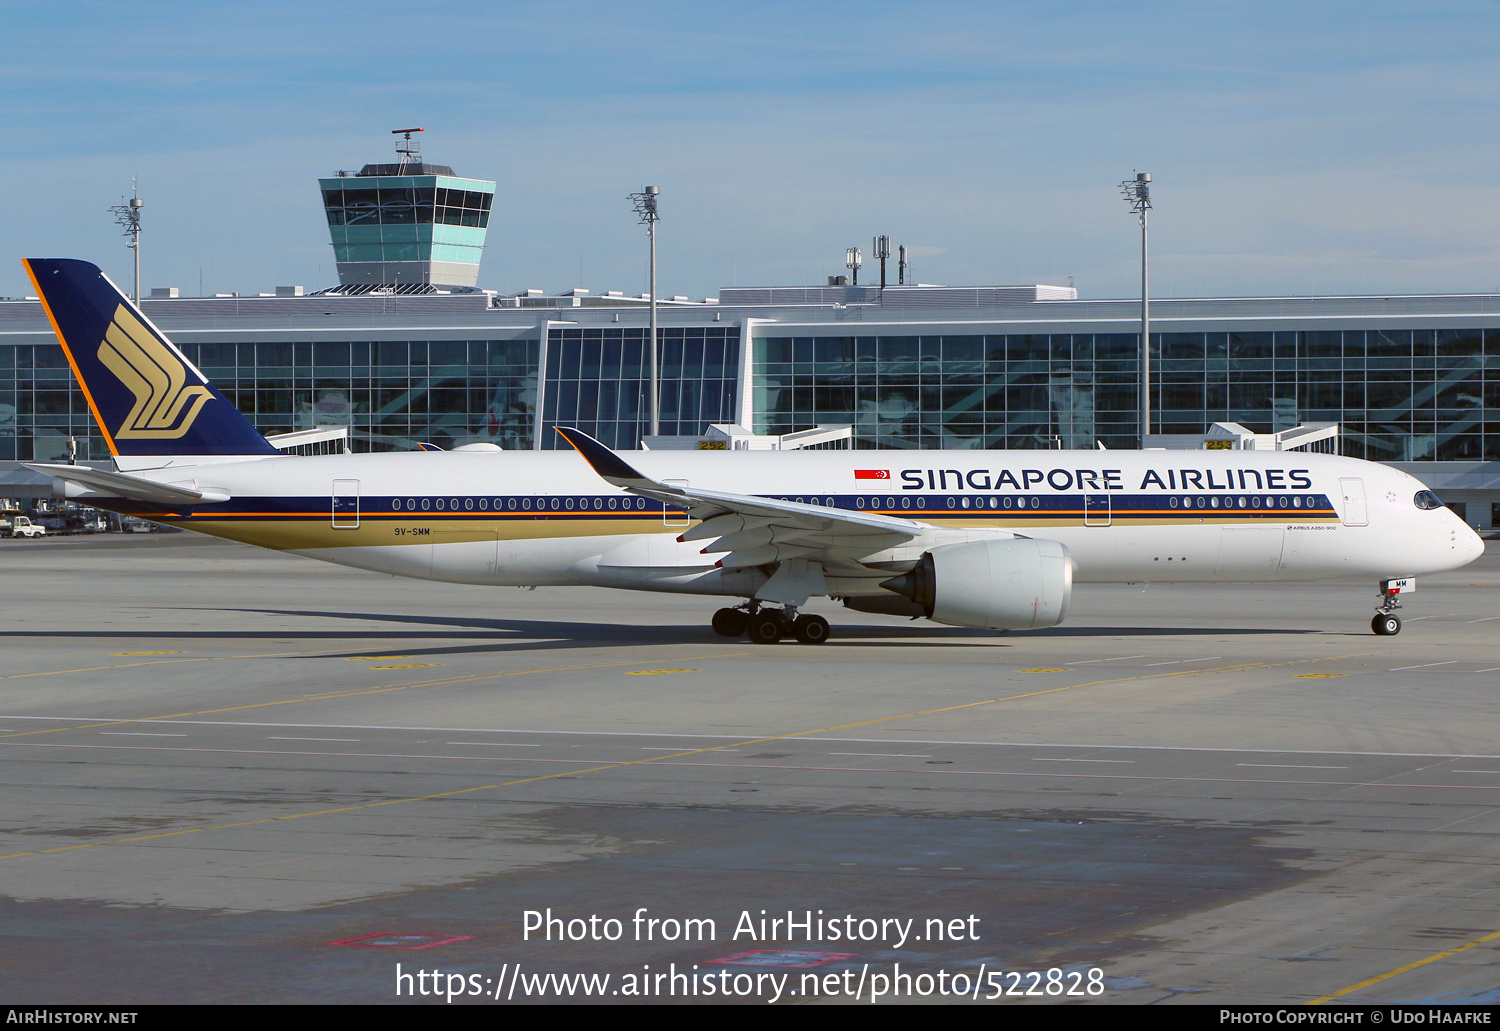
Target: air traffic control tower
409	226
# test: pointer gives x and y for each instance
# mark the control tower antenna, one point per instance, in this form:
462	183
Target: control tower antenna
128	217
410	150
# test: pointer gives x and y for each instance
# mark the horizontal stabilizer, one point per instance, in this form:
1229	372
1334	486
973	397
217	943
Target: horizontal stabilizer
133	487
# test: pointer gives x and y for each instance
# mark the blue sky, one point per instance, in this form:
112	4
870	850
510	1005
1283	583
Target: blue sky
1297	148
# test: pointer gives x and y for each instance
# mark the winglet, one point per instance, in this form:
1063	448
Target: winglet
610	466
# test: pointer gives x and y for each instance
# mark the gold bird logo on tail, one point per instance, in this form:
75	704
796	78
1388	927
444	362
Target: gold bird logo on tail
165	406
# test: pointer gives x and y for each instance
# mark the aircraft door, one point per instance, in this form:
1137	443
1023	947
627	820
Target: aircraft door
345	504
1354	512
1096	510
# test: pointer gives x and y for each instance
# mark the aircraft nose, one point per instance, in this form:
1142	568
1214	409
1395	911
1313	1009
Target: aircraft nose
1472	546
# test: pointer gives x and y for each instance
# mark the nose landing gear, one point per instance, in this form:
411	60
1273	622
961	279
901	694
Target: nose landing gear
770	625
1386	623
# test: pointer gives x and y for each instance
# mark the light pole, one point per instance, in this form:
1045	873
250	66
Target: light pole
1138	192
128	217
645	207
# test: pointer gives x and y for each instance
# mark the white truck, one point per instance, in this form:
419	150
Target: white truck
21	526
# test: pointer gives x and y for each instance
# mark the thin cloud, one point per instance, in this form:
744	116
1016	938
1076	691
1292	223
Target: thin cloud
1323	147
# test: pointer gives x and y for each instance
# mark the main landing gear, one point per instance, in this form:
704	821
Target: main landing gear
770	625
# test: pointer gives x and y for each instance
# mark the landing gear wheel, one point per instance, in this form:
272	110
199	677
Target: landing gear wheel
730	622
810	629
765	627
1386	624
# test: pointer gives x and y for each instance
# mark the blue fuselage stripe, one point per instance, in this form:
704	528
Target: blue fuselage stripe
1016	508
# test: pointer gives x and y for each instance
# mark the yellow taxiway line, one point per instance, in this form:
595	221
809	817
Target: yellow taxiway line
1401	970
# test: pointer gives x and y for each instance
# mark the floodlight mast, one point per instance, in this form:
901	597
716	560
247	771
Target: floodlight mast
1138	192
645	208
128	217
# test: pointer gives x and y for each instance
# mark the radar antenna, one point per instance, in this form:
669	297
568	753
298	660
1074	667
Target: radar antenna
409	149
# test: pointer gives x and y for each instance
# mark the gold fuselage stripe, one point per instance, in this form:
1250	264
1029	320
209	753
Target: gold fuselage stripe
296	531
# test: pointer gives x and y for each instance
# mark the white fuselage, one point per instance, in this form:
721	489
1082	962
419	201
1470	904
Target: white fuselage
540	518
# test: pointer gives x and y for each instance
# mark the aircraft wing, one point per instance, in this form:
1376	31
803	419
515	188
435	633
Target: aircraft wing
135	488
751	531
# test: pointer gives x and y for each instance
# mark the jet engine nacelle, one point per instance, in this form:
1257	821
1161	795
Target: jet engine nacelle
1016	584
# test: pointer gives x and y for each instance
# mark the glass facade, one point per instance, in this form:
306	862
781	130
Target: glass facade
959	391
596	380
1400	395
394	393
41	405
400	202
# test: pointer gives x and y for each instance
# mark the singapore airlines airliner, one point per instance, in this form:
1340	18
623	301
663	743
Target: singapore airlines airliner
968	538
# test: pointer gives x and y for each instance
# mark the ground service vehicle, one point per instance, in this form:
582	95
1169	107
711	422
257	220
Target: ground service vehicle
21	526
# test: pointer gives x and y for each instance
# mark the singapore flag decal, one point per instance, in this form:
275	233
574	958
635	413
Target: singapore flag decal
872	474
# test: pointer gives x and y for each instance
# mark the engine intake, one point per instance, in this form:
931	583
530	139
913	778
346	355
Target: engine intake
1016	584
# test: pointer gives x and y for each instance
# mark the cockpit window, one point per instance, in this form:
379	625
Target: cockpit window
1427	499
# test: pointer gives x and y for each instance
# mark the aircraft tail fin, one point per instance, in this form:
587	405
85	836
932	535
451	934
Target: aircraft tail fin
147	398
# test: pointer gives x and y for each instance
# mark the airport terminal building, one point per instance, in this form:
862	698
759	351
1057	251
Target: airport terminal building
1413	380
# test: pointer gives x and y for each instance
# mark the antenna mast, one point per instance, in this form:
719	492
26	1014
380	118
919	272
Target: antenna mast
882	250
128	217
